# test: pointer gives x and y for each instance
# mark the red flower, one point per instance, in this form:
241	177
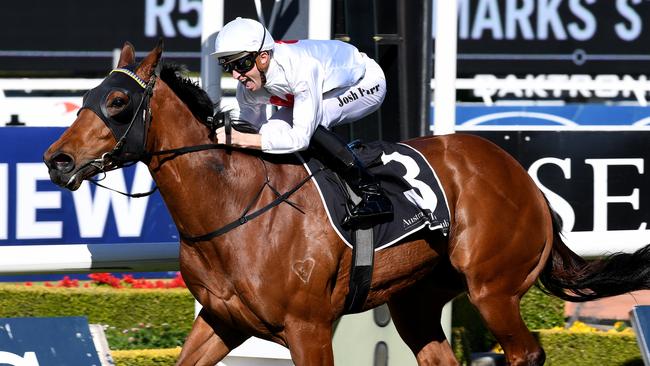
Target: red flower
178	281
67	282
103	279
128	278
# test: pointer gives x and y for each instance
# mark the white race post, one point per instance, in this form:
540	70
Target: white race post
445	66
320	20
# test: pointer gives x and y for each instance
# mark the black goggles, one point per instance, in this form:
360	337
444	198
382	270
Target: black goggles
241	65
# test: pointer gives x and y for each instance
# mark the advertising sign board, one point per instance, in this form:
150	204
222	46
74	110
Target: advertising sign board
553	37
35	211
80	38
47	342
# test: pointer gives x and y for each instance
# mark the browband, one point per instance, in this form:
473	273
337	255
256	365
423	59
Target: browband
132	75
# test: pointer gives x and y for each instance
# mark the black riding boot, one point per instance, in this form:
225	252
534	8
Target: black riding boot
374	207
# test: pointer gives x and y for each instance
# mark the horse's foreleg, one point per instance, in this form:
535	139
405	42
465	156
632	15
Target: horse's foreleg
208	343
310	343
416	314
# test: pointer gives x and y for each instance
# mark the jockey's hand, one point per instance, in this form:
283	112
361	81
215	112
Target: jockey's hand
238	139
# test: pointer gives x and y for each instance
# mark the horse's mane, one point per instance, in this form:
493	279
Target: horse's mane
196	99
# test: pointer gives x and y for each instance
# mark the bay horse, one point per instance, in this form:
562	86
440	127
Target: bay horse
284	276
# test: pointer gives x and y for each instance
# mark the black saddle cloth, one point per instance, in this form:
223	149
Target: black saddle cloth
409	182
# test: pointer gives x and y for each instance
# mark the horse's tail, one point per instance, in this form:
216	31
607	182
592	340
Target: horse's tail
572	278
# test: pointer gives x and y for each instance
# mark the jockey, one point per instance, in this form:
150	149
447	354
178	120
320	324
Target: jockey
318	84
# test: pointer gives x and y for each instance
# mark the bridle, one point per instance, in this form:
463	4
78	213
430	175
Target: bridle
127	150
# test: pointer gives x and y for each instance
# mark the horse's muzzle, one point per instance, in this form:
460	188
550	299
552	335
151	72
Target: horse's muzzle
61	167
60	162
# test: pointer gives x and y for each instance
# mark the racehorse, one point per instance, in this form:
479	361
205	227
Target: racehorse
284	275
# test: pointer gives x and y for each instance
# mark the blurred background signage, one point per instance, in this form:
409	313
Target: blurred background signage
553	36
47	37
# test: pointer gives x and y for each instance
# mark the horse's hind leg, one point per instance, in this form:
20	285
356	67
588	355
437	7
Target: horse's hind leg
416	313
495	287
502	316
204	346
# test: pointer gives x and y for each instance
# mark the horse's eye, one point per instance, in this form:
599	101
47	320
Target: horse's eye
117	103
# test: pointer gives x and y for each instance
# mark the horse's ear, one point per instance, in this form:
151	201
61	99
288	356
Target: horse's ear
127	56
148	65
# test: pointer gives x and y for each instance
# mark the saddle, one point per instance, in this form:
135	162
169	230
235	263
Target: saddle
406	177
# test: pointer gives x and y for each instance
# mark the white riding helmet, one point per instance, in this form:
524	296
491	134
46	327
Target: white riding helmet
242	35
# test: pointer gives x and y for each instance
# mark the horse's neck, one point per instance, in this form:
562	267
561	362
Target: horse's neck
202	190
173	125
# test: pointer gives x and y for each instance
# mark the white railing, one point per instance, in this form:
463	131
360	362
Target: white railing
83	258
42	111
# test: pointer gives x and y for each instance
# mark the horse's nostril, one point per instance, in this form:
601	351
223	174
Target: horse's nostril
62	162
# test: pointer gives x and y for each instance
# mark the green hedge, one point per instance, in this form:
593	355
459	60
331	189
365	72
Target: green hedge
135	318
541	311
565	348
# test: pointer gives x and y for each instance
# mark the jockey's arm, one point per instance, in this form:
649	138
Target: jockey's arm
251	111
239	139
278	136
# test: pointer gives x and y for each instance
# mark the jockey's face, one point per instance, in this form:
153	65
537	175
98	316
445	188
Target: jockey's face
252	79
